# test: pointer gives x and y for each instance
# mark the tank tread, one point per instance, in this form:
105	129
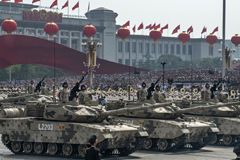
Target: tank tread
171	147
220	143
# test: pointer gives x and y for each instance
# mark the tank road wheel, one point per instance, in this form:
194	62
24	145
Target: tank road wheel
40	148
162	144
52	148
228	139
81	150
16	147
5	139
27	147
215	139
147	143
67	149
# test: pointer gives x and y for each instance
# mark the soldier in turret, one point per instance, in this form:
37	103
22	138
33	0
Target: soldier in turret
81	95
158	96
207	94
44	90
219	94
31	87
64	93
142	93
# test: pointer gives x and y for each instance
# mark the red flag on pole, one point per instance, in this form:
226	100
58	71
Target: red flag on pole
204	30
176	29
153	26
65	5
17	1
134	28
190	30
76	6
148	27
140	26
157	26
165	27
126	24
35	1
88	7
215	30
54	4
5	0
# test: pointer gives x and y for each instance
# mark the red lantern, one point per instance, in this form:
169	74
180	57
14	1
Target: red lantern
9	26
123	32
51	28
184	37
235	40
211	39
89	31
155	35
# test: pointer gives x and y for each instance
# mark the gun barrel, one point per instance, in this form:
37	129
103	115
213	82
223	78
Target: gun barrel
16	98
201	108
127	110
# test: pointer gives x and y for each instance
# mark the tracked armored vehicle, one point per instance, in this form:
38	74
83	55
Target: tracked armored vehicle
166	129
226	118
64	130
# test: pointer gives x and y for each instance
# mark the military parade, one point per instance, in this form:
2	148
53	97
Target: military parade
85	87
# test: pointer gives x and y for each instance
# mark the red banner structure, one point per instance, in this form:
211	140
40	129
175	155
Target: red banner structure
42	15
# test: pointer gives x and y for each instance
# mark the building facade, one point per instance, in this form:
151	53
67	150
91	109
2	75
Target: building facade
113	49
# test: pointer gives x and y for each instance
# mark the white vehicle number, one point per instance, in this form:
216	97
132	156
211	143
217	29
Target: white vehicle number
45	126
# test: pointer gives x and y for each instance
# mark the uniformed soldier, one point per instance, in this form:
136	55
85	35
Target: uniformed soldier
236	150
64	93
81	95
207	95
92	153
44	90
158	96
219	94
31	87
142	93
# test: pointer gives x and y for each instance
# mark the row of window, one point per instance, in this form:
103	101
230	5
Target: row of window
161	48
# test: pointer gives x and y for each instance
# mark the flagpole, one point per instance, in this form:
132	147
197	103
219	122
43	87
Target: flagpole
78	9
22	5
68	8
10	9
39	5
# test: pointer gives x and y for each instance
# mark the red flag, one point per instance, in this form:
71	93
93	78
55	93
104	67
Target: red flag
165	27
65	5
88	7
176	29
35	1
134	28
215	30
17	1
5	0
148	27
126	24
158	26
141	26
204	30
76	6
153	26
190	30
54	4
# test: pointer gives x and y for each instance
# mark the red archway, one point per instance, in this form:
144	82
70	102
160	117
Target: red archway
20	49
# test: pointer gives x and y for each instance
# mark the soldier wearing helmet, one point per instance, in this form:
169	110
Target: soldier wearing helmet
81	95
207	94
31	87
142	93
158	96
44	90
64	93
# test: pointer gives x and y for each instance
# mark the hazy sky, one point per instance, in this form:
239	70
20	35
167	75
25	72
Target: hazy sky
198	13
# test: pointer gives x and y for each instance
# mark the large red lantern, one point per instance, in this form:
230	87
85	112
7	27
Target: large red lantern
235	40
89	31
155	35
184	37
123	32
211	39
9	26
51	28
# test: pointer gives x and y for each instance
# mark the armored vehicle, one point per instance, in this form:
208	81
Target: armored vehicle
226	118
166	126
64	130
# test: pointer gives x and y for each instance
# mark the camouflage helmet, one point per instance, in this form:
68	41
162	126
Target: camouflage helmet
143	83
64	84
82	87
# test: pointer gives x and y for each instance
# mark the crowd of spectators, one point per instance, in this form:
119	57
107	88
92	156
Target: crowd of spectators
184	77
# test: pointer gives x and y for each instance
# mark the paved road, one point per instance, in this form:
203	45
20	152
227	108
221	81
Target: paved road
207	153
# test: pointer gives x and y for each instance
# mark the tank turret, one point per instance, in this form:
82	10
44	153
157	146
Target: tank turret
83	113
12	99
